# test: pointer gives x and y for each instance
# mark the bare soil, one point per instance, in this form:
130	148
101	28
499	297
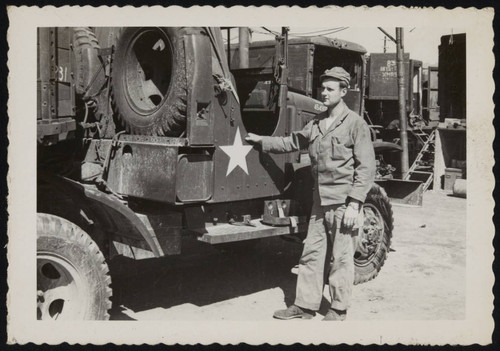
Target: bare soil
422	279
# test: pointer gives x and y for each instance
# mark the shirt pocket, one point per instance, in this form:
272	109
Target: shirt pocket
339	149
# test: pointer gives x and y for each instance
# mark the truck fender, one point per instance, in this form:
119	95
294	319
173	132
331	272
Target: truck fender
99	210
381	146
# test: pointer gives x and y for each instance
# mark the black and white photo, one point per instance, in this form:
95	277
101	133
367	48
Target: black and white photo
250	172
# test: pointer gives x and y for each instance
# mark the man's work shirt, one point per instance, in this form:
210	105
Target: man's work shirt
342	156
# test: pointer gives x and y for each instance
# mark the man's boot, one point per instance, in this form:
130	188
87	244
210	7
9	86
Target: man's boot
335	315
294	312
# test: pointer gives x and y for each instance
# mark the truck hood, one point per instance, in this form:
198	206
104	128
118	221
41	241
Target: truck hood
305	103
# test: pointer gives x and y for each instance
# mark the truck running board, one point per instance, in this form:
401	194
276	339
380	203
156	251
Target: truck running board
224	233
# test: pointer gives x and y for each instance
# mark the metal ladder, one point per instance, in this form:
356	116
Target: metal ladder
416	167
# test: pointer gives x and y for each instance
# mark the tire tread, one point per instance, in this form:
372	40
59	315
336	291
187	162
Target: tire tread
83	38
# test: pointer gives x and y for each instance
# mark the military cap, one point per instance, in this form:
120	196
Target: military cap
337	73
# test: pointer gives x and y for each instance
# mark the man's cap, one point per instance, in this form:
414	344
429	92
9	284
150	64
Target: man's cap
337	73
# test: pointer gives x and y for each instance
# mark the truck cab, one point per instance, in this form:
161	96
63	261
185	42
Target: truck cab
308	58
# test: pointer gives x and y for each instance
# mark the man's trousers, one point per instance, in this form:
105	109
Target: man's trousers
328	255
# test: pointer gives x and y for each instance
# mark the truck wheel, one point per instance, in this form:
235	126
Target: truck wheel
374	238
73	281
148	81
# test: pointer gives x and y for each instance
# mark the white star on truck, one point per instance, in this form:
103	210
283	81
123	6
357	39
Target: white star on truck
237	153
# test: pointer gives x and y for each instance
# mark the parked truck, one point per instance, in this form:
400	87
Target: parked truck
141	142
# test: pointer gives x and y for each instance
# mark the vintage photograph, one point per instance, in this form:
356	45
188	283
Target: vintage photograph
252	173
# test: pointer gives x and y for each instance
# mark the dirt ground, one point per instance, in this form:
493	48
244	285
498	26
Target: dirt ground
422	279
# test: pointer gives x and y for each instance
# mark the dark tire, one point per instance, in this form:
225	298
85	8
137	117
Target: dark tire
73	281
148	81
87	64
375	237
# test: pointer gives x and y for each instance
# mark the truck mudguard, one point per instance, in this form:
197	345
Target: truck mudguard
96	207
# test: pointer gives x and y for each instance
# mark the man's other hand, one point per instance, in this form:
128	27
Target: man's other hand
351	214
253	138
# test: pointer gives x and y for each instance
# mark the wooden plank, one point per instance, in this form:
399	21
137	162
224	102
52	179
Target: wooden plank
223	233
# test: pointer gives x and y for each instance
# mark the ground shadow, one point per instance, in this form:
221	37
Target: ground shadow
204	275
457	196
117	313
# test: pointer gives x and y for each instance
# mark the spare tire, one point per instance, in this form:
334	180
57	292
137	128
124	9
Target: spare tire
148	81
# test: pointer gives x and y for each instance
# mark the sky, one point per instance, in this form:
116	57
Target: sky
421	42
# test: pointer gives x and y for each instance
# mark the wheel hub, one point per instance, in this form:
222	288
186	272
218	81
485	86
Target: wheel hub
370	236
148	70
61	293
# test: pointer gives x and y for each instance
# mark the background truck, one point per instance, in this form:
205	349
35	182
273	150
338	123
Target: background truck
141	142
382	104
450	161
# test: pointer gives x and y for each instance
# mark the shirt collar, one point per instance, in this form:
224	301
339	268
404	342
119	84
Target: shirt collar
344	111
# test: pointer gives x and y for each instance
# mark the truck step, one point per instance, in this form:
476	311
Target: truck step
223	233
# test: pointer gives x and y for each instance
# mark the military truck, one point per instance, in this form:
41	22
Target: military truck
382	93
141	142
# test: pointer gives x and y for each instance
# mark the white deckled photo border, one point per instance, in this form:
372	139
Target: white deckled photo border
477	327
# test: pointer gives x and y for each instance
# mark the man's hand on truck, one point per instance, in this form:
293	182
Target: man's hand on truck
253	138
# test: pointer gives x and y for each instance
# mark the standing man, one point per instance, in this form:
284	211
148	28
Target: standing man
343	167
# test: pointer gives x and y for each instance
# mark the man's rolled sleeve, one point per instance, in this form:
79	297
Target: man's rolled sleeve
364	162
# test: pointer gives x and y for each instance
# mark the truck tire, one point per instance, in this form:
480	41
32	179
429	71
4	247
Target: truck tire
73	281
374	239
148	81
85	47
